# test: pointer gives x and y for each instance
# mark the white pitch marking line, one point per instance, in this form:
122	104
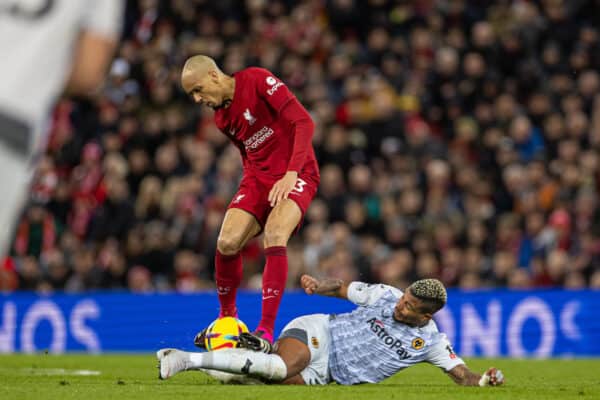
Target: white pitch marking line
59	371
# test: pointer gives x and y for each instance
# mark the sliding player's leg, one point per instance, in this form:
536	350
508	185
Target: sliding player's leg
270	367
231	379
301	356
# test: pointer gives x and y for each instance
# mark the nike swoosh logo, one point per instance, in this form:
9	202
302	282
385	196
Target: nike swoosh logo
268	297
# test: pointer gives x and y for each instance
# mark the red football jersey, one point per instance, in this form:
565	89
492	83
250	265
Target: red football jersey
253	122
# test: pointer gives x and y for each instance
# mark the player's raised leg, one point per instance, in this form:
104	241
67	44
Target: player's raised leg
280	225
238	227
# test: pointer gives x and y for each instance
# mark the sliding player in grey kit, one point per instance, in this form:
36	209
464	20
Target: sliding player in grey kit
389	330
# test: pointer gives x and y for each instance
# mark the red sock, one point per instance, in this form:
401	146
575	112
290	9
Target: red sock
228	275
274	278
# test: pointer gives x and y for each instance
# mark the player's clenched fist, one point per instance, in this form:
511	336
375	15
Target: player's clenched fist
492	377
309	284
325	287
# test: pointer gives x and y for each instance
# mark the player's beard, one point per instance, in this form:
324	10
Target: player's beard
225	103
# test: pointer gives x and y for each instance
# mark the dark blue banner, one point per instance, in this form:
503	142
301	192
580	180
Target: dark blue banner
481	323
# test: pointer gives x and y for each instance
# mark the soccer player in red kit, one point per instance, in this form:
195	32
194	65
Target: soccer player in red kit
273	132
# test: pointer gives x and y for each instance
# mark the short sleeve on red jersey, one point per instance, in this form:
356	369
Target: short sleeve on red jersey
271	89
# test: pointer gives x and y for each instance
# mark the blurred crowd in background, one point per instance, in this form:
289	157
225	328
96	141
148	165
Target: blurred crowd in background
457	139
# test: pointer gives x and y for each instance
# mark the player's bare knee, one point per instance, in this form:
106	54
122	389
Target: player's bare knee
228	246
275	236
297	365
295	355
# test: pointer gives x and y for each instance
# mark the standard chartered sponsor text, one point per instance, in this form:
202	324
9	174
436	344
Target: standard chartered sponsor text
258	138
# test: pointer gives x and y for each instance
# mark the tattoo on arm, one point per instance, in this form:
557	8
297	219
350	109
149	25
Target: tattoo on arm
329	287
464	376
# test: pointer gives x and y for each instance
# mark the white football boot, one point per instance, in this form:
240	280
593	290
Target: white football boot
171	361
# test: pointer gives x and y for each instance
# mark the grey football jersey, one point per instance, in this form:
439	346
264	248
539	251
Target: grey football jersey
368	345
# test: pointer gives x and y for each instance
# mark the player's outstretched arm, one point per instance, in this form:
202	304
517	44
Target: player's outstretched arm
462	375
324	287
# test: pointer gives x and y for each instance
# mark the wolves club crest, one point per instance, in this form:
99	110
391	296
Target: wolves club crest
418	343
315	342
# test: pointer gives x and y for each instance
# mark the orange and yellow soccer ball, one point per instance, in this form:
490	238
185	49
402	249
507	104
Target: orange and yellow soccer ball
224	333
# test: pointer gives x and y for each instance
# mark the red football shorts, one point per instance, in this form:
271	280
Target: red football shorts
253	196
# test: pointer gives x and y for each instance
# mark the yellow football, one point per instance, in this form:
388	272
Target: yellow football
224	333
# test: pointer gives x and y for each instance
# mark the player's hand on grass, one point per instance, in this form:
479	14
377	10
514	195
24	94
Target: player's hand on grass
282	188
492	377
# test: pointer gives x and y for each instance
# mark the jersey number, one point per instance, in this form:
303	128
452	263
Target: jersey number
299	188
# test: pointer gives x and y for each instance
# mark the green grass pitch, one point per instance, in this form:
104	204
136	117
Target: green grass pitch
124	377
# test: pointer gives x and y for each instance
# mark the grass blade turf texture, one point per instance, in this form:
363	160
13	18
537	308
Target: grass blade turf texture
124	377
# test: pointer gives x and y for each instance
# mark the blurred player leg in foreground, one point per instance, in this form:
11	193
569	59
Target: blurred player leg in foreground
46	44
14	175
